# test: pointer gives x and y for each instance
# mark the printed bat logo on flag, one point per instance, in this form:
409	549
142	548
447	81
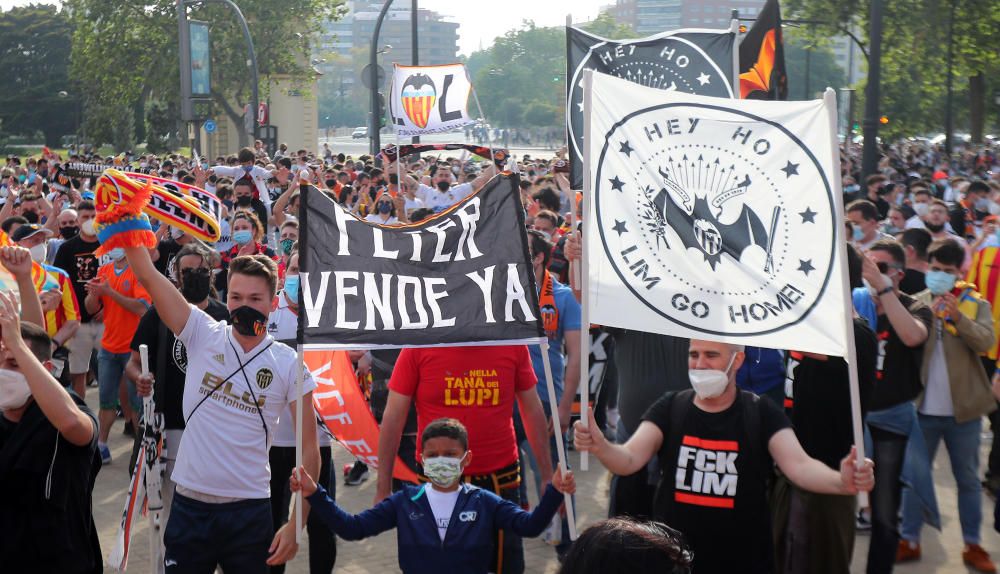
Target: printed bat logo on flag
419	96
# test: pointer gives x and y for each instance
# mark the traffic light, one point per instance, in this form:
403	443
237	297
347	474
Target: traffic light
883	120
381	110
856	126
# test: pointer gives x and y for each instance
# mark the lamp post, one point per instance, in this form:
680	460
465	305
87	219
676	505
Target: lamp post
374	135
870	153
949	118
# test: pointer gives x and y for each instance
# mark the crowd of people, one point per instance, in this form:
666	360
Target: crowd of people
724	458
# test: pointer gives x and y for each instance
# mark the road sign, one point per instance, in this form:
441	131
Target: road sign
262	114
209	126
366	76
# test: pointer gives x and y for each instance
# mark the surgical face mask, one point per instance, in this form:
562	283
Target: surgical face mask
14	390
242	237
38	253
857	234
117	254
920	208
982	204
853	188
292	288
176	233
939	282
443	471
87	227
454	169
994	208
710	383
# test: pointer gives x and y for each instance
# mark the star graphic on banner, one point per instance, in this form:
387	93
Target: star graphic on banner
625	148
620	227
703	78
790	169
617	184
805	266
808	216
579	106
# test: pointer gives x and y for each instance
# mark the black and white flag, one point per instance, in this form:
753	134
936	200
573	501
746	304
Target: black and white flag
714	218
463	276
692	61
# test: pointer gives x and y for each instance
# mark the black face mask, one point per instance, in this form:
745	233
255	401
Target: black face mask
31	216
248	321
195	284
69	232
443	186
243	200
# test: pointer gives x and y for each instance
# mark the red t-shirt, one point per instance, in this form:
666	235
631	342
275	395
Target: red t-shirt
477	386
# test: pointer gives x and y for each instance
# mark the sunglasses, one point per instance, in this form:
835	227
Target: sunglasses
884	267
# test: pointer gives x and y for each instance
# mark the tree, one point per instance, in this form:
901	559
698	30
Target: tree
126	53
37	95
811	68
914	48
606	26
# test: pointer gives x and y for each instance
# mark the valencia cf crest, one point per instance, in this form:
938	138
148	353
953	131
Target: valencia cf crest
419	97
264	378
702	215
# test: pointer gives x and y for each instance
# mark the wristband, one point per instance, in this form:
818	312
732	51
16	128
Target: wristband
884	291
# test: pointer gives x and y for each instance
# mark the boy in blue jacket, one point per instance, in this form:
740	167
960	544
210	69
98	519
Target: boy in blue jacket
446	525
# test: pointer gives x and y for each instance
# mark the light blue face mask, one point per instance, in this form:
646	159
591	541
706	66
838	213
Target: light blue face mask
857	234
939	282
292	288
242	237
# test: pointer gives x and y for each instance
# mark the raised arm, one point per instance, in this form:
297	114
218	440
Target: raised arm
173	309
17	260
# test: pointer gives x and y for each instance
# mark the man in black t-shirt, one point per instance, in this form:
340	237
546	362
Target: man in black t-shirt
915	243
76	257
168	358
716	446
903	325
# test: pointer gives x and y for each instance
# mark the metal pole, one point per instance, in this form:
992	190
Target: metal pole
808	65
184	51
949	118
415	46
869	158
376	143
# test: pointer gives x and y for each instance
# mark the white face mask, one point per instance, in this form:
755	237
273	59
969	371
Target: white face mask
443	471
921	208
710	383
38	253
88	228
14	390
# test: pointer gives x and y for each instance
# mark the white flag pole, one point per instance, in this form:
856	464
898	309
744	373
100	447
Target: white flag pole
734	27
830	101
574	267
557	431
154	515
298	438
584	283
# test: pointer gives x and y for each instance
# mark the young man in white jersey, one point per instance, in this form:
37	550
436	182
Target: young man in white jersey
239	381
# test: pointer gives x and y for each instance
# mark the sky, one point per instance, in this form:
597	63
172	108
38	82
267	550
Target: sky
481	20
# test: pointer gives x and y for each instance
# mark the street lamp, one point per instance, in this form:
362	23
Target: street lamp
376	142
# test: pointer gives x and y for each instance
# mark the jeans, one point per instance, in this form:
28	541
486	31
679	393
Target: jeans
110	368
322	542
962	442
234	535
887	452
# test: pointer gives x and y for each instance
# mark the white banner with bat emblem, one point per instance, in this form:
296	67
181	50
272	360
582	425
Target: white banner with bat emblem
714	218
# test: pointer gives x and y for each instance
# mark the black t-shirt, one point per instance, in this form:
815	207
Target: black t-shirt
913	282
711	493
168	249
648	365
168	391
46	487
76	257
897	376
822	411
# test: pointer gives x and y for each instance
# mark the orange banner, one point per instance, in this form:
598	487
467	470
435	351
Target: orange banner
342	407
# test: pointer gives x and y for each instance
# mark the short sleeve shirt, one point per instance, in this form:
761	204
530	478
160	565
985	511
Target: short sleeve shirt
477	386
230	416
569	320
710	489
119	322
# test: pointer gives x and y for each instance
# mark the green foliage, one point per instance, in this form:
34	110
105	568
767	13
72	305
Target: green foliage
34	43
811	68
606	26
124	52
914	57
161	127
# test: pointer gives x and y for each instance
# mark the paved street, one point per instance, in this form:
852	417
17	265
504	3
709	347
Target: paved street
942	550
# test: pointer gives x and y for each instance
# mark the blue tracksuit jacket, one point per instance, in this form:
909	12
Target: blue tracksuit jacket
468	543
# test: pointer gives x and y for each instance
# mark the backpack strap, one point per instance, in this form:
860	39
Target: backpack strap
751	426
680	404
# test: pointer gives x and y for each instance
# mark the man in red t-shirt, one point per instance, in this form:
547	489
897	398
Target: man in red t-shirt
477	386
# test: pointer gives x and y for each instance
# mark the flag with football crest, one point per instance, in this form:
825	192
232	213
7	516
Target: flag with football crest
714	218
429	99
695	61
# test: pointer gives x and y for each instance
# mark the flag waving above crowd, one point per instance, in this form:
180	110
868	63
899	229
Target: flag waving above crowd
714	218
463	276
429	99
762	57
692	61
